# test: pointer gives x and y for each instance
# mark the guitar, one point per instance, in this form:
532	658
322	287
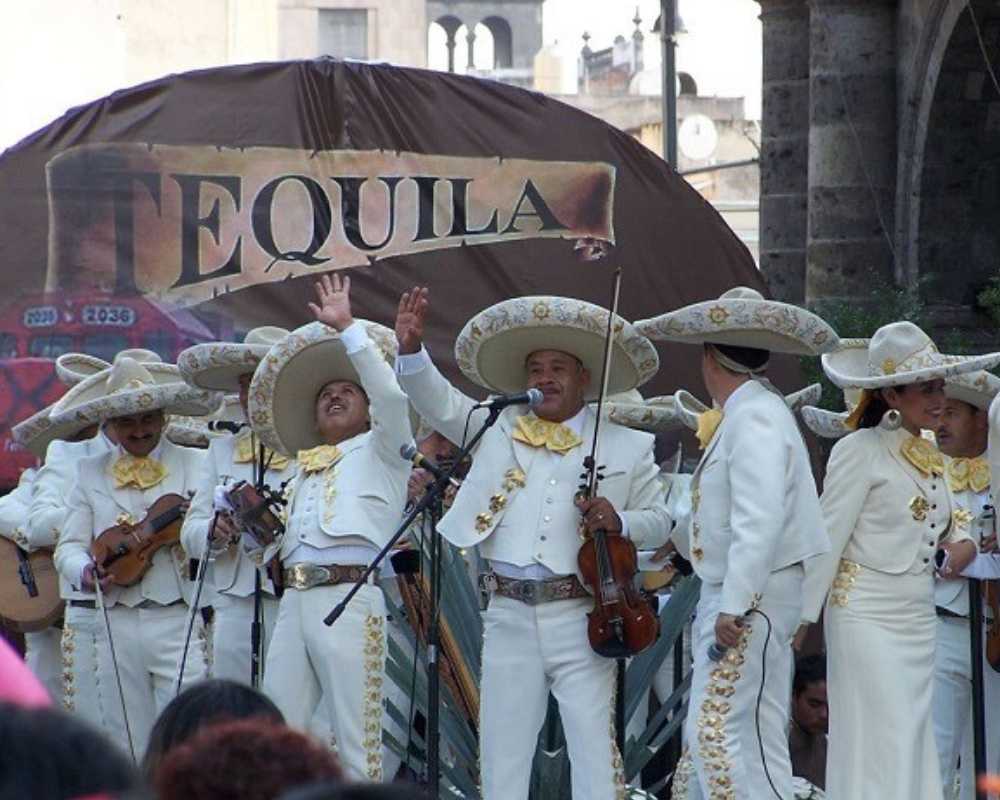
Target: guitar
29	589
125	551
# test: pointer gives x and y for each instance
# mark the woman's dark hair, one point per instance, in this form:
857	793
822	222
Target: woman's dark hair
750	357
873	413
51	755
203	703
246	759
808	670
355	791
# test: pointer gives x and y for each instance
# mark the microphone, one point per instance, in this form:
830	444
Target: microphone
532	397
410	453
716	651
225	425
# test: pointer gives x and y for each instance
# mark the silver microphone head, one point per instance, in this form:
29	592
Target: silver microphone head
408	451
535	397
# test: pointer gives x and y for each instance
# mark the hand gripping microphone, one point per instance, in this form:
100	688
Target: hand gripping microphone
410	453
532	398
716	651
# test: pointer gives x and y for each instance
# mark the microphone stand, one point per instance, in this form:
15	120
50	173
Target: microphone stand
257	625
430	502
978	694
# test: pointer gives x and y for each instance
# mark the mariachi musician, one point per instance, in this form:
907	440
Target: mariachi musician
518	504
147	621
228	367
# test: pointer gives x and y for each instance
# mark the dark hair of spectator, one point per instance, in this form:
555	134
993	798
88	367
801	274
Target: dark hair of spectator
355	791
247	759
809	670
51	755
201	704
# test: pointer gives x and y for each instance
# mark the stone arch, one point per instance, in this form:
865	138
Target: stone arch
503	42
450	25
687	83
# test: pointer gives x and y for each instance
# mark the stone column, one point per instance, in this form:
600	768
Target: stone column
784	147
852	147
470	37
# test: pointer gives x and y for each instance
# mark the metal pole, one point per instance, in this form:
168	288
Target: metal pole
668	41
978	699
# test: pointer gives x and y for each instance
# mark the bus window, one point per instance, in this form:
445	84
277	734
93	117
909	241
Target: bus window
161	342
50	346
8	345
105	345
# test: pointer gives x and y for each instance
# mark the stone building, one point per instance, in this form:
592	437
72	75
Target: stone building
881	150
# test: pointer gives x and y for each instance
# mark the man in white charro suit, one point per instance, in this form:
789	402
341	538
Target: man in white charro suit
518	505
755	519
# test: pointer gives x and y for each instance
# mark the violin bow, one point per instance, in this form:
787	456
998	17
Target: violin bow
605	378
114	662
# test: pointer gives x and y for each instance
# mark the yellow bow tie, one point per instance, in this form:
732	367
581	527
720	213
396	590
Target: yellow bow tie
708	423
143	473
968	473
244	454
923	455
537	432
317	459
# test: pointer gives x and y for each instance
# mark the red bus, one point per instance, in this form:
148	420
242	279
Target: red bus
37	329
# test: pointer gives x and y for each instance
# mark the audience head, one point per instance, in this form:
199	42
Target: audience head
204	703
355	791
50	755
809	707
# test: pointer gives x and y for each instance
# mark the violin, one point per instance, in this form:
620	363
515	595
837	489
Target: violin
125	551
623	622
255	512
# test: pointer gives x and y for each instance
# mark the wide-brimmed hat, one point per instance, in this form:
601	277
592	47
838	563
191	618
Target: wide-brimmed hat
284	387
653	415
975	388
743	318
493	346
71	368
129	387
39	430
218	365
897	355
690	407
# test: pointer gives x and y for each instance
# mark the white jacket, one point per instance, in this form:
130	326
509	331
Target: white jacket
754	503
537	523
96	505
869	498
231	571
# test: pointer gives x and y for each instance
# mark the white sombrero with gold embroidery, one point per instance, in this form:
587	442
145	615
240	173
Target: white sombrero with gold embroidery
743	318
129	387
831	424
975	388
494	345
654	415
218	365
898	354
71	368
690	407
284	387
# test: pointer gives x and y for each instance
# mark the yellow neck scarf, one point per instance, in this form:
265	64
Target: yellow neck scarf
142	473
244	454
923	455
536	432
968	473
708	423
317	459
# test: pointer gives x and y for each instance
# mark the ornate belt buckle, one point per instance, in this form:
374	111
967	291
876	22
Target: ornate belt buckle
529	591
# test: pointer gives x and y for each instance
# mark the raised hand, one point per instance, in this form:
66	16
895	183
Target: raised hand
334	295
410	318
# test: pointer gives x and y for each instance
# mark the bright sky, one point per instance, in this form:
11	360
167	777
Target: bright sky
47	66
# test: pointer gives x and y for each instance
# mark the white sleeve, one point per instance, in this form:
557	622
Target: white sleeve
73	551
985	567
412	363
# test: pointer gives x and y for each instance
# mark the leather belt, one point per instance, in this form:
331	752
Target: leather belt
307	576
91	604
147	603
941	611
534	592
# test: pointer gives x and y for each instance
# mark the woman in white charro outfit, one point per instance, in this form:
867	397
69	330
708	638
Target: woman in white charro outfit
890	515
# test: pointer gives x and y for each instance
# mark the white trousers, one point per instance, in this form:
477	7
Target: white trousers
343	664
529	651
231	634
43	655
148	644
953	708
723	754
80	674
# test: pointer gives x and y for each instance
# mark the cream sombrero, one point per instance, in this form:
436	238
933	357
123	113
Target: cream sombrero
898	354
218	365
285	385
975	388
743	318
690	407
39	430
653	415
129	387
71	368
493	346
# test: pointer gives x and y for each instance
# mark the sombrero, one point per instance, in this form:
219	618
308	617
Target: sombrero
218	365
